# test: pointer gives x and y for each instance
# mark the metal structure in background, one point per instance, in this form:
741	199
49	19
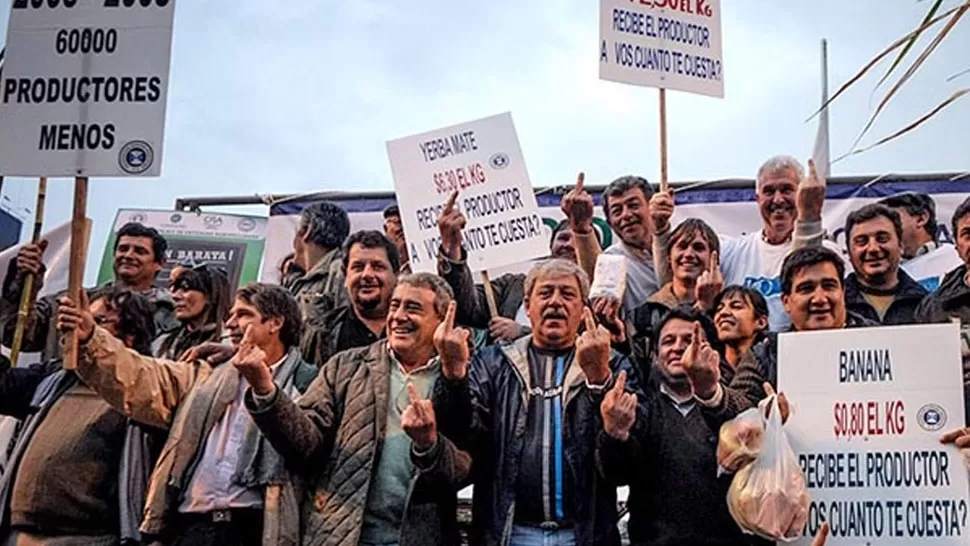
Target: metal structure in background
195	204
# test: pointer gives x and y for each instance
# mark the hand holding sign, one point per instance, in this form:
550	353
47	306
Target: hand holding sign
577	205
30	258
450	223
418	421
810	196
452	346
661	210
702	364
619	410
71	317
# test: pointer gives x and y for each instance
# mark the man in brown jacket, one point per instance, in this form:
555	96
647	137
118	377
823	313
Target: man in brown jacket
217	481
364	431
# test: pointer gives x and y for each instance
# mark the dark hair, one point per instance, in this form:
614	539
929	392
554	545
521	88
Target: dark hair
564	225
748	294
214	283
807	257
324	224
962	210
691	227
622	185
392	211
688	313
916	203
868	213
134	229
443	293
136	316
271	301
369	238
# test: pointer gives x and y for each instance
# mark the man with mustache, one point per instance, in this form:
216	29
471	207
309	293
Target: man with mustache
218	481
370	270
528	413
321	232
741	319
878	289
379	471
668	458
813	294
512	321
627	207
394	231
791	214
139	254
925	259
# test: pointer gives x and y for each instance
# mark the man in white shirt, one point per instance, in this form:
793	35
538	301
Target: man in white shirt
791	214
924	259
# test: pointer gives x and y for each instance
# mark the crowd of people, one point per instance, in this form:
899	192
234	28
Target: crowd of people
350	403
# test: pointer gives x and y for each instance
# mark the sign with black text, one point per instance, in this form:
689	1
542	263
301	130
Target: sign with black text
870	405
481	160
84	87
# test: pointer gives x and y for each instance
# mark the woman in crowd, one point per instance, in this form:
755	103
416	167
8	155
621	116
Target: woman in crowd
202	301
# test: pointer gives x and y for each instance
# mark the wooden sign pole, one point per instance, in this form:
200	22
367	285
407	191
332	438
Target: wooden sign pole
75	276
663	140
489	295
27	290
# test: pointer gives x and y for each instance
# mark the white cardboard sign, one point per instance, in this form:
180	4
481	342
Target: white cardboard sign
84	87
669	44
483	161
869	408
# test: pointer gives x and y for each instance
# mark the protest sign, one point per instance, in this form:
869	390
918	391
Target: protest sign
668	44
233	242
482	160
870	406
84	87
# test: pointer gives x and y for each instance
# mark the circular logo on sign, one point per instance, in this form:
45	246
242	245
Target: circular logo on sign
175	218
931	417
246	224
212	222
499	161
136	157
138	218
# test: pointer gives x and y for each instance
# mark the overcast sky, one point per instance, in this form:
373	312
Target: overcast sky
301	96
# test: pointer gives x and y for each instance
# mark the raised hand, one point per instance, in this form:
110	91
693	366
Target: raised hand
452	346
504	329
661	210
810	196
593	350
606	311
619	410
577	206
71	317
418	421
30	258
250	360
702	364
450	223
709	284
822	536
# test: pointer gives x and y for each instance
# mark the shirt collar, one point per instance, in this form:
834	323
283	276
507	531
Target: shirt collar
676	398
431	364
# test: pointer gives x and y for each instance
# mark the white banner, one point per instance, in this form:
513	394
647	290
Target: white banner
84	87
870	406
56	258
483	161
669	44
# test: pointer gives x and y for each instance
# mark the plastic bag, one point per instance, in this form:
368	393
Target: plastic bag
609	277
768	497
740	441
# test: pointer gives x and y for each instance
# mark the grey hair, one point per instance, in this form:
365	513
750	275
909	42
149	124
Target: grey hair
557	268
443	294
781	163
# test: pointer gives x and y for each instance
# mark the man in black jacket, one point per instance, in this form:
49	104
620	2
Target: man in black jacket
878	289
529	415
814	297
668	459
